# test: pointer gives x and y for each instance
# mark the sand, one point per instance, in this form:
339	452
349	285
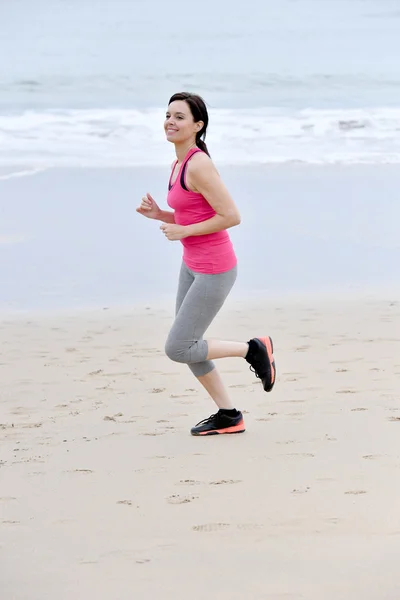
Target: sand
104	494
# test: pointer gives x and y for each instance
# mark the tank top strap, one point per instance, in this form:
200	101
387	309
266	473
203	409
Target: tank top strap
184	165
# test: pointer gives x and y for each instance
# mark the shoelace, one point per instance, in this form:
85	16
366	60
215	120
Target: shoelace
256	366
207	420
254	371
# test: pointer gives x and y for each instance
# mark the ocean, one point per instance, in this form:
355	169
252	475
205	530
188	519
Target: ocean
304	103
86	83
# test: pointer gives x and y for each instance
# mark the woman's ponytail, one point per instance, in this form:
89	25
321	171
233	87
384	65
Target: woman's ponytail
201	144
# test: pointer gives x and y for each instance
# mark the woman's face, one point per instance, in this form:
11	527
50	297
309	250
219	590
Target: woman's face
179	125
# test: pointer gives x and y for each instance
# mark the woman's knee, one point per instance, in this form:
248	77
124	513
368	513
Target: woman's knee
177	350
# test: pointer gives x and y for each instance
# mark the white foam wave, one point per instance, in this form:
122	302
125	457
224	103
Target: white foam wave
24	173
117	137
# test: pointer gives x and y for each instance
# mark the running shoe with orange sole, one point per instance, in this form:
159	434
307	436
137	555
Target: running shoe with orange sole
261	359
220	423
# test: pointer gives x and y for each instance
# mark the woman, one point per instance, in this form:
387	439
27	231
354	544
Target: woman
202	212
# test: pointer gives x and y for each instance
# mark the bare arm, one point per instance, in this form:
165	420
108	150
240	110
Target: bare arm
167	216
203	177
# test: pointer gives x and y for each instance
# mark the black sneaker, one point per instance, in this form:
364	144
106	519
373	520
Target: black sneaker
261	358
220	423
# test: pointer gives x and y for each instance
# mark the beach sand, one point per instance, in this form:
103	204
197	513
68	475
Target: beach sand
104	494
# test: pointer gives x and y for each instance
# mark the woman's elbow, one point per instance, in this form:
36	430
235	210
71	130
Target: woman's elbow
230	219
234	219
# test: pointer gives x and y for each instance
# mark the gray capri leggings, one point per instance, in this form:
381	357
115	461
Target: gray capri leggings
199	298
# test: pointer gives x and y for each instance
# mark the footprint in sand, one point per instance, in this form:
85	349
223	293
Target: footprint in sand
294	401
301	454
239	385
225	482
79	471
272	414
211	527
303	490
216	527
142	561
372	456
176	499
189	482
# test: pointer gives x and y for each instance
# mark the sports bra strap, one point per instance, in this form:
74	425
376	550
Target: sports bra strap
183	172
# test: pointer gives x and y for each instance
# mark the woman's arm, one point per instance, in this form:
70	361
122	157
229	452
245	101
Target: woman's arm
203	177
167	216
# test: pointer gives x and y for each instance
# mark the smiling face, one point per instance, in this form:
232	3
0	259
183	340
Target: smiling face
179	124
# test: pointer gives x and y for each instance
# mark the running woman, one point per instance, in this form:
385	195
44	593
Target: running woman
202	211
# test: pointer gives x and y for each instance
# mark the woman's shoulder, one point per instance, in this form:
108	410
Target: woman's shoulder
201	172
200	156
200	162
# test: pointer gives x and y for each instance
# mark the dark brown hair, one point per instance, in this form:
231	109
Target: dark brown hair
199	112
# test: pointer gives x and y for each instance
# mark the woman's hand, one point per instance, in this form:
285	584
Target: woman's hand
174	232
149	208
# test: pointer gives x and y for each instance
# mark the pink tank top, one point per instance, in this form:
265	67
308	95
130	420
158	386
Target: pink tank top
211	253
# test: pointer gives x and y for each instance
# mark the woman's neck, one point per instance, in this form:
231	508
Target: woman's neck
182	149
